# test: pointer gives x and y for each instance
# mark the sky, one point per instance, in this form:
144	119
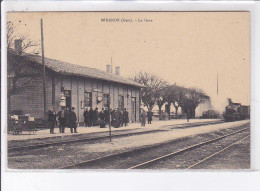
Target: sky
186	48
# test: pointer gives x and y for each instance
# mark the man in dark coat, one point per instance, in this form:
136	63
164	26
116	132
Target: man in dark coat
106	115
86	117
51	120
116	122
149	117
91	115
72	120
125	117
61	118
67	118
112	113
102	115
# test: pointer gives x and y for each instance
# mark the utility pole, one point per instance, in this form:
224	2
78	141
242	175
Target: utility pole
217	84
111	66
43	75
109	122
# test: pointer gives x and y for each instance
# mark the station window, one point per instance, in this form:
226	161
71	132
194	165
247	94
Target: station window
105	101
88	99
121	102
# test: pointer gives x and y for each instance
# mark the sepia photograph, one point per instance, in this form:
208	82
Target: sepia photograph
128	90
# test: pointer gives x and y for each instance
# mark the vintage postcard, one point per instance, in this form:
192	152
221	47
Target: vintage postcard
128	90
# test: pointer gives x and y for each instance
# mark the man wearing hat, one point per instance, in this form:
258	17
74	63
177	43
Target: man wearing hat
72	121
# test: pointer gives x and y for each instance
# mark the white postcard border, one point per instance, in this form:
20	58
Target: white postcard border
161	180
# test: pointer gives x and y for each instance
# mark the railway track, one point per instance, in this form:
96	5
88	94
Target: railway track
183	126
117	134
216	153
138	151
187	149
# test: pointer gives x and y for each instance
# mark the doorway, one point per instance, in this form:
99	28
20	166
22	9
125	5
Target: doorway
67	94
133	109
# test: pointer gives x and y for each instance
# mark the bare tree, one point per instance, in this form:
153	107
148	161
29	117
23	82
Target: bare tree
10	35
175	95
186	98
157	91
150	95
169	100
17	80
161	98
26	44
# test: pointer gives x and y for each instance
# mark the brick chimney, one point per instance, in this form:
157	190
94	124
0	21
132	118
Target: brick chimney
117	70
18	46
109	68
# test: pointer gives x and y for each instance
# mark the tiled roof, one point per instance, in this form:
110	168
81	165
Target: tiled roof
76	70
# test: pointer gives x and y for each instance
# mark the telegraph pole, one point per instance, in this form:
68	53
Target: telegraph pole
111	66
43	75
109	121
109	115
217	84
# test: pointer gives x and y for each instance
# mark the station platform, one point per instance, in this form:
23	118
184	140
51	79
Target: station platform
58	155
45	133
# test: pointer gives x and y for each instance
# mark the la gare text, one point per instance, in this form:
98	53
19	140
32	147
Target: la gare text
126	20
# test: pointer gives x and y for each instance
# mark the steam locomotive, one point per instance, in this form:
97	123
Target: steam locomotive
236	111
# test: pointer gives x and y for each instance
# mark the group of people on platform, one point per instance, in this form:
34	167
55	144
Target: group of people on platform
94	117
144	115
66	118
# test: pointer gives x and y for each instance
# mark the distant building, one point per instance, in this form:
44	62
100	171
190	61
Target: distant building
82	87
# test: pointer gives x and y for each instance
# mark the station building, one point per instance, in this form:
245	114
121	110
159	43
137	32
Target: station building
82	87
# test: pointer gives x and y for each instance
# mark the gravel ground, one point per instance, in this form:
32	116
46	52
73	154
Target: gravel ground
88	135
66	137
45	133
63	155
135	158
88	138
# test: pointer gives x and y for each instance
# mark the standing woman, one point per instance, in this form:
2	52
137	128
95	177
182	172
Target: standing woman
86	117
95	117
120	117
143	118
